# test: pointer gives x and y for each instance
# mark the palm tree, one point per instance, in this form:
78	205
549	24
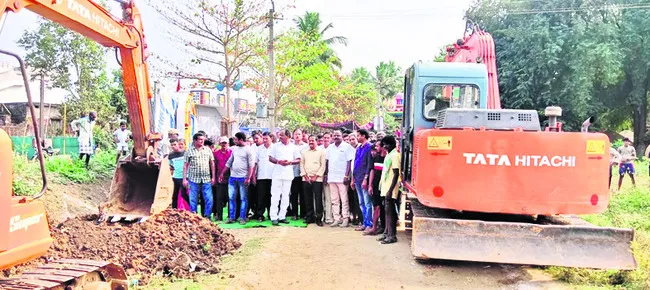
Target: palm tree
388	79
310	24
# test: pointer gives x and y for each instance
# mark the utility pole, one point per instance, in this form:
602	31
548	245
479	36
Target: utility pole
40	110
272	104
379	124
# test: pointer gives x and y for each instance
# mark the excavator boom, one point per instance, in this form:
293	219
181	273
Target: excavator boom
93	21
129	196
142	183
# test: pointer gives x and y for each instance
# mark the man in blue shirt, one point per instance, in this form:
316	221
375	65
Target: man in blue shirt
362	165
176	160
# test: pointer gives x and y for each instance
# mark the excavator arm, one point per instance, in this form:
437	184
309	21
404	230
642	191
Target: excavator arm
142	185
93	21
477	46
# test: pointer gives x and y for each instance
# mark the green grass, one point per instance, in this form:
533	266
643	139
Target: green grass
629	208
61	169
230	265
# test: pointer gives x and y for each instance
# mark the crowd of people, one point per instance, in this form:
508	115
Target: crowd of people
339	178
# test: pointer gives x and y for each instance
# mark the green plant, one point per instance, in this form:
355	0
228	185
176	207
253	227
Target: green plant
26	179
629	208
617	143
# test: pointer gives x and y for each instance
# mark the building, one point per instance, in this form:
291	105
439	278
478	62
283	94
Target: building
13	102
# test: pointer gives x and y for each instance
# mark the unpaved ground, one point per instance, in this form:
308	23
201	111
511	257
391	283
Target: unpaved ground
173	242
71	200
331	258
319	258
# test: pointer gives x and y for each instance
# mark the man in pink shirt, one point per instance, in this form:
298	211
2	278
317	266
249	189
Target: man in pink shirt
221	156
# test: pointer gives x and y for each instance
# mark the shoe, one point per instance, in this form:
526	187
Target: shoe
283	221
360	229
260	219
242	221
345	224
369	232
319	223
335	224
381	238
275	223
389	241
230	221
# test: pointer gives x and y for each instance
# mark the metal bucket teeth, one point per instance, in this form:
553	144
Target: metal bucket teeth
115	218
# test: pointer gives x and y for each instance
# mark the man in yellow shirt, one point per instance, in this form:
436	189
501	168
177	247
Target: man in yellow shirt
390	188
312	168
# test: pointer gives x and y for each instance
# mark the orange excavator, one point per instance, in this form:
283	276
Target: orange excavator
139	188
488	184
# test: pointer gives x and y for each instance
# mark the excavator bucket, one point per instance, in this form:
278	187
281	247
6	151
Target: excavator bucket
138	190
546	241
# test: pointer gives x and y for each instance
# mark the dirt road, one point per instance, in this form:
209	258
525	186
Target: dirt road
320	258
334	258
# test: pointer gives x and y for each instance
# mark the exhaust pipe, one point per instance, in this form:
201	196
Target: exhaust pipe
587	123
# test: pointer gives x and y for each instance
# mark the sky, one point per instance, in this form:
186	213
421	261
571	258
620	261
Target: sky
404	31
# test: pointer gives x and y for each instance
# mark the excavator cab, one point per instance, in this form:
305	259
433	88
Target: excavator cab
490	185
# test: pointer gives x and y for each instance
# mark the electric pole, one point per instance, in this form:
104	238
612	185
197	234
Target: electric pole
271	107
41	120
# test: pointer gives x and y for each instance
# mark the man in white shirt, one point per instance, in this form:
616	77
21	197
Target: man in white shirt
122	136
337	175
355	210
262	177
284	155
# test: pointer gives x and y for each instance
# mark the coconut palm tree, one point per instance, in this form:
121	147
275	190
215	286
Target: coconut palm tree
388	79
310	24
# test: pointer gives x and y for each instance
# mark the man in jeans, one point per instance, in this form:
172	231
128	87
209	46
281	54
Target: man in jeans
199	173
240	164
312	168
362	165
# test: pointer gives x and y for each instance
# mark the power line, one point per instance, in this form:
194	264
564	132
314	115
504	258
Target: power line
567	10
438	10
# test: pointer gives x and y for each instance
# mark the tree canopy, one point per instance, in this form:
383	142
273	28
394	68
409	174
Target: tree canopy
588	57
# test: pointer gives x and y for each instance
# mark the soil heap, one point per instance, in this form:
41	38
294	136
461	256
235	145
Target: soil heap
173	243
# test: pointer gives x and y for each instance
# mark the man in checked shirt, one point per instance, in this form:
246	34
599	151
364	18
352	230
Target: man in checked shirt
199	174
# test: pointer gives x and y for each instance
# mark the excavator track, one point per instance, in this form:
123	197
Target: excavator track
70	274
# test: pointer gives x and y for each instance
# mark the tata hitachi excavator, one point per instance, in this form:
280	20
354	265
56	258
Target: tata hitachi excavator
487	184
142	183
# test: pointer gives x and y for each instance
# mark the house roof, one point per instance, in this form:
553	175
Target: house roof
12	88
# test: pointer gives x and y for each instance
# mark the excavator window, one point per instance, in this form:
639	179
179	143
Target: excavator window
438	97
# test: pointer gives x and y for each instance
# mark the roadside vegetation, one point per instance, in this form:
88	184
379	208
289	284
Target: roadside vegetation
628	208
61	169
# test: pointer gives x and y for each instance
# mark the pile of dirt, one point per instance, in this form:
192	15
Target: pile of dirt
174	243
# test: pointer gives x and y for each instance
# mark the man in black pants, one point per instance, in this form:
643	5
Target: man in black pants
262	177
312	169
176	160
390	188
296	184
